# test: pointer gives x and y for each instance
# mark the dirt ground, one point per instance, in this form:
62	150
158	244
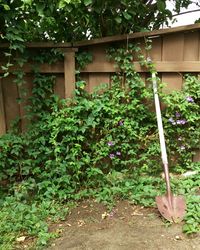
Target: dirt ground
126	227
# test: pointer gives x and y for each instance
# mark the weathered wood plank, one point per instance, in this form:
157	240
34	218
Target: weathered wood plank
173	80
27	86
42	45
160	32
173	46
69	73
161	66
196	157
10	100
96	79
191	46
156	52
2	112
44	68
59	88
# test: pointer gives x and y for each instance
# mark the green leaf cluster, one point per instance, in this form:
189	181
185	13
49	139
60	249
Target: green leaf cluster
103	145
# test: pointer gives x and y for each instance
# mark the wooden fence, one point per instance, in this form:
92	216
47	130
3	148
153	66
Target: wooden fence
175	51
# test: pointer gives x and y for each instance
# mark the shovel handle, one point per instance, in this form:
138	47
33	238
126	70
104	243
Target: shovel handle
161	137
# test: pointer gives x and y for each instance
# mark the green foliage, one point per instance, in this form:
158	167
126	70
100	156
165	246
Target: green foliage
70	20
20	218
182	121
102	145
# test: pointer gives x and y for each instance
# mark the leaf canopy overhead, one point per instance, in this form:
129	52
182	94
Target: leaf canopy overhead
71	20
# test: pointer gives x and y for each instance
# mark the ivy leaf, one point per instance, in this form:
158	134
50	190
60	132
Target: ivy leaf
40	8
161	5
4	68
118	19
127	16
63	3
6	7
6	74
7	54
29	2
87	2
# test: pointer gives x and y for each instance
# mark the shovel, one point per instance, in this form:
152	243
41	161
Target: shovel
172	208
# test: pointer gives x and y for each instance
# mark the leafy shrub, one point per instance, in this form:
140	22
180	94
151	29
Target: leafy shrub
103	144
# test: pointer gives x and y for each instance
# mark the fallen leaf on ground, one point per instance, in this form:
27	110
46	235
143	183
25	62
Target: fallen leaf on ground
81	223
21	239
104	215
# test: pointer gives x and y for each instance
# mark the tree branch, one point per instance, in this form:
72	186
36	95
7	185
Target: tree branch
186	12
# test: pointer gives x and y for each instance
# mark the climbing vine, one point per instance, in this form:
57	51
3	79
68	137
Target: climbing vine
102	145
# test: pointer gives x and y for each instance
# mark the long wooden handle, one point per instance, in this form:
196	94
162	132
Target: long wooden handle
161	135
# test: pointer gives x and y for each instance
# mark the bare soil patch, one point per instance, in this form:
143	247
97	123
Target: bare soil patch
91	227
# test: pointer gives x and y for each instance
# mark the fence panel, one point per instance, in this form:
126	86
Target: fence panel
174	54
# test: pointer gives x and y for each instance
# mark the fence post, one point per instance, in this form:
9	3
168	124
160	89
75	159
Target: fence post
69	71
2	112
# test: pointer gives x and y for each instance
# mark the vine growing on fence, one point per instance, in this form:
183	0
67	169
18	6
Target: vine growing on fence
102	145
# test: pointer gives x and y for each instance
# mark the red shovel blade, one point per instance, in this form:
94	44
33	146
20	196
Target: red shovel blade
174	211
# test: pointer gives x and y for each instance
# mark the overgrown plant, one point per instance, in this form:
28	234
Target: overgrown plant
103	145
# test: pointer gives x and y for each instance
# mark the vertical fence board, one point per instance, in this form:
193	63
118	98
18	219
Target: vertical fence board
69	71
2	112
22	107
99	56
59	87
156	51
173	81
10	103
191	46
199	44
96	79
196	157
85	78
173	46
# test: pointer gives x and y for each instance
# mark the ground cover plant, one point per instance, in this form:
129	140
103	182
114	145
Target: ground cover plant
102	145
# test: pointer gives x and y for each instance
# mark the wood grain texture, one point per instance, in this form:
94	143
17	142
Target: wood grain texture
196	157
96	79
59	87
27	86
69	73
106	66
173	81
44	68
161	66
173	46
191	46
156	52
2	112
160	32
10	92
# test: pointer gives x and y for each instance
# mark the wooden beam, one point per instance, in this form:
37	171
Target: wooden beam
11	106
69	72
185	28
161	66
39	45
196	157
2	112
106	67
44	68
